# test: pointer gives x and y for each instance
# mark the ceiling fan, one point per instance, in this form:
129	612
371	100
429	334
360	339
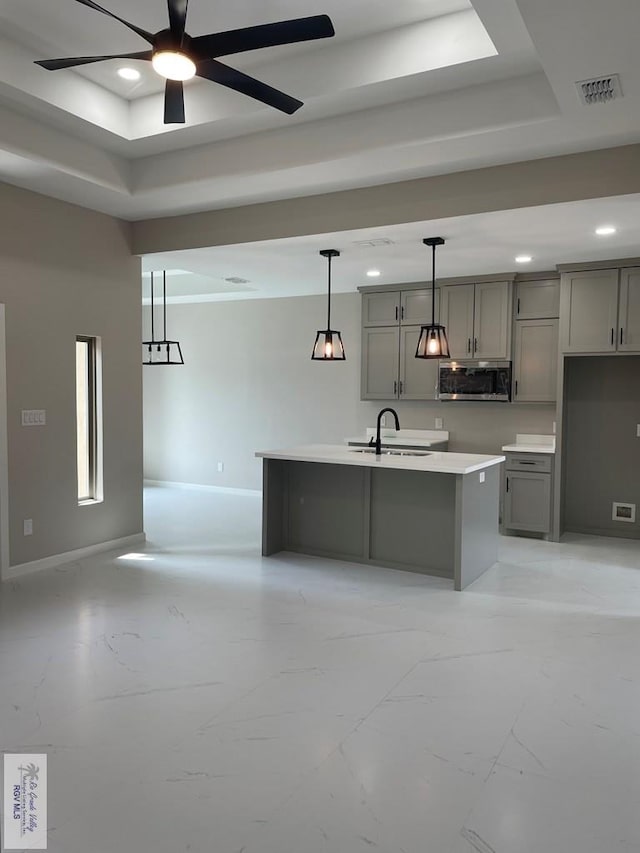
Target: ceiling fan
177	56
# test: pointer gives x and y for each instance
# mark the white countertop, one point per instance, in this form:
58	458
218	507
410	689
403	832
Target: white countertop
403	437
531	443
436	462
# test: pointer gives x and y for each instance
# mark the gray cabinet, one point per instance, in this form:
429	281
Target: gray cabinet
380	349
629	315
391	323
477	318
527	494
537	300
418	377
535	361
456	314
380	309
589	311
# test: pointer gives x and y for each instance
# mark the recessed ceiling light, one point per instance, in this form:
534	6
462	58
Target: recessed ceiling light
129	73
606	230
523	259
373	273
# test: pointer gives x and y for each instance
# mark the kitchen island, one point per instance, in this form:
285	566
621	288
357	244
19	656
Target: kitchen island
434	513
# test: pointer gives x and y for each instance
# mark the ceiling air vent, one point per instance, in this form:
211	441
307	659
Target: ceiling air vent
600	90
234	279
376	241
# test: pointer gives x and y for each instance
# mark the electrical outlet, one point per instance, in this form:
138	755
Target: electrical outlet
482	476
439	423
27	526
220	467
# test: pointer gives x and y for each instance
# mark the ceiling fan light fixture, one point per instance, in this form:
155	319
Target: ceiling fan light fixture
173	65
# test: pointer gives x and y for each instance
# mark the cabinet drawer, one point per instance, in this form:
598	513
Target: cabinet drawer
534	462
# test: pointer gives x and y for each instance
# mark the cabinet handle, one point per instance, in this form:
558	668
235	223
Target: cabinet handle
516	387
401	387
396	312
518	309
621	334
468	345
402	313
475	345
524	462
395	387
507	484
612	336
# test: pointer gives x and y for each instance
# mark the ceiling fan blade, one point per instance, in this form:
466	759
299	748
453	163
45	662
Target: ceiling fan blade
143	33
178	17
211	69
174	102
73	61
264	35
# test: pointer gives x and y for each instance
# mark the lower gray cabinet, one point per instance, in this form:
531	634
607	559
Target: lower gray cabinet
527	494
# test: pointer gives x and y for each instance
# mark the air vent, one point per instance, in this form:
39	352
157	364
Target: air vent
600	90
234	279
370	244
624	512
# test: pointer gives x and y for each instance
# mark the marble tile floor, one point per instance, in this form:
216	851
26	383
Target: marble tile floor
204	699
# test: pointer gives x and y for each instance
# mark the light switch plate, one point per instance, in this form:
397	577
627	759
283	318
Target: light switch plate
27	527
34	417
482	476
438	423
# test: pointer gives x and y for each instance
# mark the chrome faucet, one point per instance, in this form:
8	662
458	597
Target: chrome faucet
378	443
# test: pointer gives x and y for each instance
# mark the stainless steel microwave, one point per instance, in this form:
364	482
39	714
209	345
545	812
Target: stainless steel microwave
475	380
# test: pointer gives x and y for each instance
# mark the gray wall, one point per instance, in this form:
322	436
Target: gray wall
249	384
601	450
66	271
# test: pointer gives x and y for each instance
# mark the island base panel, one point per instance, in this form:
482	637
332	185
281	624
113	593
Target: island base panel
477	536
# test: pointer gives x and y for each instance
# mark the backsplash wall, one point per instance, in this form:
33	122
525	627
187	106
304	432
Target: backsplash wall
249	384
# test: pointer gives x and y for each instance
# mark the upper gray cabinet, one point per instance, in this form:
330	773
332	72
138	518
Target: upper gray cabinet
537	300
380	309
600	311
629	316
535	361
415	306
456	315
492	320
589	311
477	318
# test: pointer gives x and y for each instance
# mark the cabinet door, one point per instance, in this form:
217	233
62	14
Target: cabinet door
527	502
492	320
629	323
418	376
537	300
380	309
535	367
380	354
415	306
456	314
589	311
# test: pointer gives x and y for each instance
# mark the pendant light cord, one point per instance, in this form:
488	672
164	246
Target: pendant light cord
433	286
329	295
164	302
153	335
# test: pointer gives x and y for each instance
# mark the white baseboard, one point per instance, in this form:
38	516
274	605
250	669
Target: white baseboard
71	556
200	487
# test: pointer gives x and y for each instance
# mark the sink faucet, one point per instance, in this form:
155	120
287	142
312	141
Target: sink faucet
378	443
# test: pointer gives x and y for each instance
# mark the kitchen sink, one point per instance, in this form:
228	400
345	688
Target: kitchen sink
388	452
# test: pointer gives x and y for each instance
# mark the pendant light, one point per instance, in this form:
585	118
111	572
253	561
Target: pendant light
433	342
328	345
161	352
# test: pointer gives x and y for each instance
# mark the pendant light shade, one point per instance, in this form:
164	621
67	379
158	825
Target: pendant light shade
155	352
433	342
328	345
